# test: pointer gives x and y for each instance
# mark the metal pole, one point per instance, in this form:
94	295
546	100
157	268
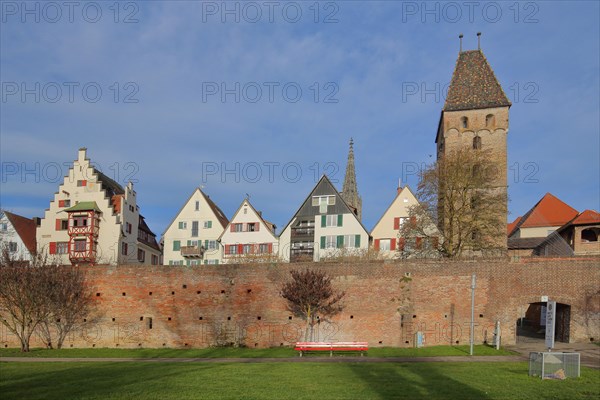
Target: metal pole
472	314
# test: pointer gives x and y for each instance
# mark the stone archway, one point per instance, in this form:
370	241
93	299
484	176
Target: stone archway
531	328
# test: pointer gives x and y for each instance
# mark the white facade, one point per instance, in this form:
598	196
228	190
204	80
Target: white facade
192	237
11	240
117	213
248	236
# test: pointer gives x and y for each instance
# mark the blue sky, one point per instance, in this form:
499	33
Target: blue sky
310	75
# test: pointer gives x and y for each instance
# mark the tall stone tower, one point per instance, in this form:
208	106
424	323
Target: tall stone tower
350	188
475	118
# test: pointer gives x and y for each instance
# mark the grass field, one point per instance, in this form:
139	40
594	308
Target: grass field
133	380
276	352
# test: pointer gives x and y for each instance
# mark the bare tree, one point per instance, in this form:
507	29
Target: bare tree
460	195
311	295
69	302
23	295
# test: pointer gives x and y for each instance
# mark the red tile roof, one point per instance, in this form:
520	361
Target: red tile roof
474	84
510	227
587	217
25	228
549	211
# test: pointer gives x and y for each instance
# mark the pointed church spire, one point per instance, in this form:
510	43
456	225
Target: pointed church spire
350	188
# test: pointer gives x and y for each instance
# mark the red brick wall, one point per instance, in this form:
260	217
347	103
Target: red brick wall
385	304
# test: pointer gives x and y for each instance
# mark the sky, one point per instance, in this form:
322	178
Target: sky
261	98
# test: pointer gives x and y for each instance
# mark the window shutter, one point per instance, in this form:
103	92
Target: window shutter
206	244
231	228
401	243
216	262
340	219
176	245
270	247
322	242
357	241
376	244
227	250
396	223
58	224
240	248
189	242
52	247
323	221
61	203
393	244
256	226
419	242
209	224
340	241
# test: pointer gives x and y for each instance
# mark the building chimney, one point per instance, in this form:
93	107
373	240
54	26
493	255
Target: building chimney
460	39
37	220
82	155
478	40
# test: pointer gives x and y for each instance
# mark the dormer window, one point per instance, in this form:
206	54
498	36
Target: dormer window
490	120
464	122
477	143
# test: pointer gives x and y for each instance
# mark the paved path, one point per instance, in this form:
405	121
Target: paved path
590	353
339	359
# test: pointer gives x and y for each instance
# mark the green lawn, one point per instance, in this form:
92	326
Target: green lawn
164	381
277	352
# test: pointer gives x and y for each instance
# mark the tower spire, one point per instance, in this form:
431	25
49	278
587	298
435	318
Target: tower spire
350	188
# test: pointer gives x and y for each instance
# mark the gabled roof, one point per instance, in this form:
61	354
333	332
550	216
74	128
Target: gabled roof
474	84
586	218
144	227
214	208
398	193
324	182
270	226
549	211
25	228
109	184
510	227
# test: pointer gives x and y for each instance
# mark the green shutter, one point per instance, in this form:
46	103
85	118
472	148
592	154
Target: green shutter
340	242
322	242
206	244
189	242
340	220
170	262
216	262
323	221
357	241
209	224
205	261
187	262
176	245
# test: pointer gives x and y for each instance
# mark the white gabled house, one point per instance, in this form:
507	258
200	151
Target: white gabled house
324	226
249	237
192	236
94	220
386	235
17	236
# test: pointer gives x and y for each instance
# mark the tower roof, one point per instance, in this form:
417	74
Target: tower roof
474	84
350	188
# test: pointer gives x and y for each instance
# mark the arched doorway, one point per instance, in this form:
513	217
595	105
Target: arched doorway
531	327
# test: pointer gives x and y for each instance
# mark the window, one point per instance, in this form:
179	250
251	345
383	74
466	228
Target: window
238	227
176	245
330	242
79	245
80	220
331	220
64	203
476	172
124	248
81	182
322	202
128	227
384	244
477	143
4	227
464	122
131	208
264	248
490	120
211	262
62	248
154	259
231	249
197	206
590	235
12	247
207	224
62	224
247	249
182	225
350	241
141	255
251	227
195	228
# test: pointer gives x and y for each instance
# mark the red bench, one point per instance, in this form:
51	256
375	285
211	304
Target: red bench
304	347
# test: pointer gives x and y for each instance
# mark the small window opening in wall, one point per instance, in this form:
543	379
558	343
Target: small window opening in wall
222	291
445	315
249	290
58	320
7	345
200	318
139	345
258	318
185	344
381	342
198	292
590	235
85	320
113	320
169	318
480	315
457	342
477	143
591	339
281	344
290	317
173	293
184	286
164	344
490	120
464	122
228	318
352	317
406	342
71	345
149	321
97	294
141	318
414	316
124	294
255	345
149	293
117	345
94	345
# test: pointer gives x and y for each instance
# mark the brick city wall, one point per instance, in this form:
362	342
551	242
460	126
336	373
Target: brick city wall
385	304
